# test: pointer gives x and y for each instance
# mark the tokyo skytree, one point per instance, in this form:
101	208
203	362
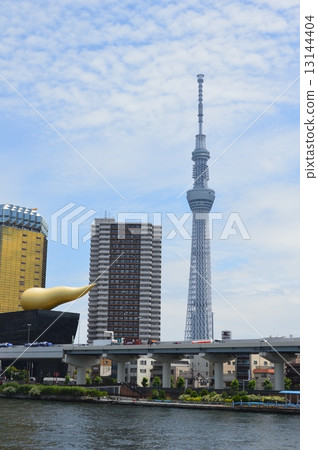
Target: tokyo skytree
199	320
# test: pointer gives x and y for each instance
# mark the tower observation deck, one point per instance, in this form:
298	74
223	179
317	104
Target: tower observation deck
199	319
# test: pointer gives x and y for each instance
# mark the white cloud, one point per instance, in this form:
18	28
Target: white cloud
119	82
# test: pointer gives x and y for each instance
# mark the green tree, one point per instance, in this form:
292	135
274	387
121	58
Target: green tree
88	381
18	375
23	375
251	385
97	380
162	394
180	383
67	379
156	382
155	394
288	383
172	382
267	385
235	385
144	382
9	391
11	372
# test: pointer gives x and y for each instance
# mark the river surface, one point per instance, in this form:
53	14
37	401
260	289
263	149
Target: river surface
41	425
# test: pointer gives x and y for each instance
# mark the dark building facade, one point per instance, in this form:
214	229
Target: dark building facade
21	327
125	263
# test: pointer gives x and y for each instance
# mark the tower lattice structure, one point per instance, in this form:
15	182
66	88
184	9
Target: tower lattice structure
199	319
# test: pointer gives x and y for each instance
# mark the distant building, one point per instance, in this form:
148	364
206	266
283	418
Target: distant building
125	263
23	253
292	371
261	374
226	335
141	368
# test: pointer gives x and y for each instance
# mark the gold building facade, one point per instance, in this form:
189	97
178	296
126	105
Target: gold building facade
23	254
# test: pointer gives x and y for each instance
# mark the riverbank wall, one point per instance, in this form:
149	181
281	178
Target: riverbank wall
240	407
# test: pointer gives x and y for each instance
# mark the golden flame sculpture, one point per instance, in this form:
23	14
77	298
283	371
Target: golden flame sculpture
49	298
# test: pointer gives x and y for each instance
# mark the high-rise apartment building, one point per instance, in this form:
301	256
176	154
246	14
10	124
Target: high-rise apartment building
23	252
125	263
199	320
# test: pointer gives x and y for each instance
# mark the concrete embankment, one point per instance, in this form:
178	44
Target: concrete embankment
265	408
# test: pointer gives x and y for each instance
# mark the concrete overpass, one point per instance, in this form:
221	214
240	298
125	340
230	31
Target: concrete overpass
277	350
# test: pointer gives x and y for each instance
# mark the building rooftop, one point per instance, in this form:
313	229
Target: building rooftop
21	217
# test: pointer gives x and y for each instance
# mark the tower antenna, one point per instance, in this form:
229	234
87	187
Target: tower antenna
200	103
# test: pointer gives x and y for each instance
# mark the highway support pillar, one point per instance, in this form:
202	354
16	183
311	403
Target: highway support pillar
218	359
121	360
166	361
279	360
81	362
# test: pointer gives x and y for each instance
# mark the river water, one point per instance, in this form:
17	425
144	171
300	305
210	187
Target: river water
41	425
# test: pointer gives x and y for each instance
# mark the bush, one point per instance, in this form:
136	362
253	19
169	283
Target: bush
156	382
97	380
50	390
188	391
254	398
155	394
251	385
24	389
180	382
193	394
273	399
162	394
9	391
204	392
236	398
214	397
235	385
109	381
267	385
35	392
10	384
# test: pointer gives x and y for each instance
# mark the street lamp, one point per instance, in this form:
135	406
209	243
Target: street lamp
28	363
29	326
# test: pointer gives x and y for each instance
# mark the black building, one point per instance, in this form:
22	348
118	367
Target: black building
20	327
40	325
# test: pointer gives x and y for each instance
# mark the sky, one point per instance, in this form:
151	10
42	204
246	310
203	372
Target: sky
99	110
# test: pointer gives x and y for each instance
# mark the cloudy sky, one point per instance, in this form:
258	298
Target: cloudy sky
99	109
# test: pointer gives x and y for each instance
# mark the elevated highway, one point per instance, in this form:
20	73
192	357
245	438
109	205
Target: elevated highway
277	350
236	346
